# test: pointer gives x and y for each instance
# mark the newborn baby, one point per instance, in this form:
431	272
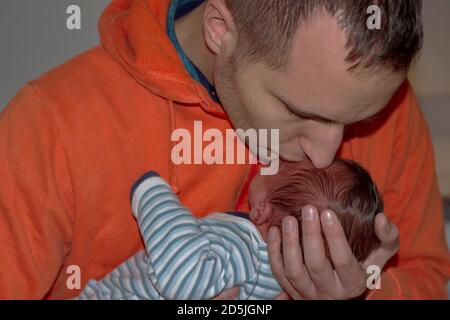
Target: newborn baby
344	187
190	258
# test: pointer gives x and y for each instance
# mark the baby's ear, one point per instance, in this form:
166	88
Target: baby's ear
260	213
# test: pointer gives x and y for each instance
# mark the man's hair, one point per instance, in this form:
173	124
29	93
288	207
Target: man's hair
344	187
266	30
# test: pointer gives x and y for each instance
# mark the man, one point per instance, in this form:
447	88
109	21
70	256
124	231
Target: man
73	141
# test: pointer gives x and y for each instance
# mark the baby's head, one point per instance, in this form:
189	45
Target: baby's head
344	187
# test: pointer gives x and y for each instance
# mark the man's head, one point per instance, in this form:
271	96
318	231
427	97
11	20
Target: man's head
308	67
344	187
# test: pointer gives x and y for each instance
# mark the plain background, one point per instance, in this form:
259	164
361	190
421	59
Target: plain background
34	39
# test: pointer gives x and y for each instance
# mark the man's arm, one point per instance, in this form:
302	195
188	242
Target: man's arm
35	197
421	268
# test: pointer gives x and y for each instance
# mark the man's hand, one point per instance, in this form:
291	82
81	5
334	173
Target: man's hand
228	294
232	293
311	275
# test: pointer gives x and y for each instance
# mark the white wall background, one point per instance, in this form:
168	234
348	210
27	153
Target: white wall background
431	80
34	38
432	75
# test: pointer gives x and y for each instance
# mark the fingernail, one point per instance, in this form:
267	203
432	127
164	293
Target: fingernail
328	218
272	235
309	213
385	222
288	226
388	225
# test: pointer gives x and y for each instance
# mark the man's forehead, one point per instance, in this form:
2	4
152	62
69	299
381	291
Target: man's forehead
319	41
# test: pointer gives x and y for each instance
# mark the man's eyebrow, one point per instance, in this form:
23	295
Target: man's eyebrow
309	115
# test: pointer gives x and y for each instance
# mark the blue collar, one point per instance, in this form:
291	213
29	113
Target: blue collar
239	214
177	9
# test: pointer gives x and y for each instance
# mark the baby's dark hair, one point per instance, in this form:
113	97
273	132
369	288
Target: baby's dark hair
345	187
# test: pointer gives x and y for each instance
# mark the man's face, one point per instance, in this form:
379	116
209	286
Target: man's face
311	101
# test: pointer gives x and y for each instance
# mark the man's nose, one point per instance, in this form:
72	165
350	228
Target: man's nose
324	146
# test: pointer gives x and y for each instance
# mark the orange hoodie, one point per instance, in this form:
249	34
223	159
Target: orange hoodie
73	141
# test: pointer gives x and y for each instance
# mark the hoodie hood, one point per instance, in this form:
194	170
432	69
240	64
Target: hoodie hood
134	32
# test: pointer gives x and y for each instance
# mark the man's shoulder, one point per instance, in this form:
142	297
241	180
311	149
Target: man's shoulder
90	70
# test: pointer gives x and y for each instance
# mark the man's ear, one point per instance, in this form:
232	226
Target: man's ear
218	26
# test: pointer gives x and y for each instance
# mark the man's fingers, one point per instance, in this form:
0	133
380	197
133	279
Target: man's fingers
283	296
388	234
317	263
228	294
294	267
344	261
276	262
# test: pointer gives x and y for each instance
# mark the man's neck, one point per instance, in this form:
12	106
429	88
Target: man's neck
189	31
